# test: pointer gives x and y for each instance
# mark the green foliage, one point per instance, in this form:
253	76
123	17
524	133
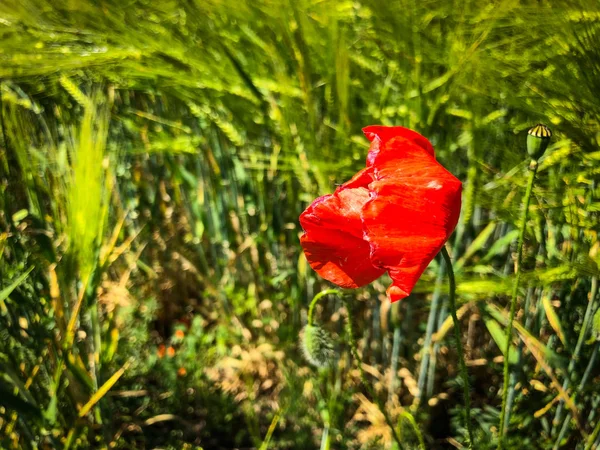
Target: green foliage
154	159
86	193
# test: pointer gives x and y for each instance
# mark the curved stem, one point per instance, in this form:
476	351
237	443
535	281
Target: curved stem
513	304
410	418
316	299
363	379
459	348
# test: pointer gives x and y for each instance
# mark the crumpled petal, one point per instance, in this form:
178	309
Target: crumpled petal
378	134
394	215
333	236
414	208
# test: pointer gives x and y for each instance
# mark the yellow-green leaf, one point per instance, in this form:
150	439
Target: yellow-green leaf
499	337
102	391
477	244
553	319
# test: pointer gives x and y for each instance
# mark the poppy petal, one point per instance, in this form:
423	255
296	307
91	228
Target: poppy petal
414	209
333	237
379	135
360	179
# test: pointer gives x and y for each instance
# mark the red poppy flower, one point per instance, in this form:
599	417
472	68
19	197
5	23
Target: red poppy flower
394	215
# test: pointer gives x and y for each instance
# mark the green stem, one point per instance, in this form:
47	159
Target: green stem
410	418
363	379
270	431
394	362
582	384
592	438
513	304
426	352
587	321
316	299
459	349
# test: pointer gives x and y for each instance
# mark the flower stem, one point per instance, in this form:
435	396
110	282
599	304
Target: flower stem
316	299
504	413
363	379
459	349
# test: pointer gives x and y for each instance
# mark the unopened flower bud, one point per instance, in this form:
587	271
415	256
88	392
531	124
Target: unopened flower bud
317	346
538	139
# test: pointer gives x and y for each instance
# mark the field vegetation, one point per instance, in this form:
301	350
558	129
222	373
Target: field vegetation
155	157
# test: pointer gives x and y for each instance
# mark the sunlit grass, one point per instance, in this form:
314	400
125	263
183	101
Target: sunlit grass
155	157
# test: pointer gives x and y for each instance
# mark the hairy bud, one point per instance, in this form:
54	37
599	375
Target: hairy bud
317	346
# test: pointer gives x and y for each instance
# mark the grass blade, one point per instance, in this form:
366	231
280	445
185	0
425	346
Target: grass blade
102	391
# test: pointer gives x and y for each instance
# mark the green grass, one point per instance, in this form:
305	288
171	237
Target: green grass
154	160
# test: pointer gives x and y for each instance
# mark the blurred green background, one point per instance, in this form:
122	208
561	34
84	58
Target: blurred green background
155	157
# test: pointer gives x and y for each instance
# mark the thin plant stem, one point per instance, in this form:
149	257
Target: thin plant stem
459	348
592	437
593	410
325	439
270	431
582	384
433	311
376	350
439	309
394	361
363	379
410	418
597	442
316	299
326	436
587	319
504	415
436	348
514	373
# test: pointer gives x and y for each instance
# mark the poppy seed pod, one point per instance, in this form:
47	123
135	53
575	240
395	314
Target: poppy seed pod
317	346
538	139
